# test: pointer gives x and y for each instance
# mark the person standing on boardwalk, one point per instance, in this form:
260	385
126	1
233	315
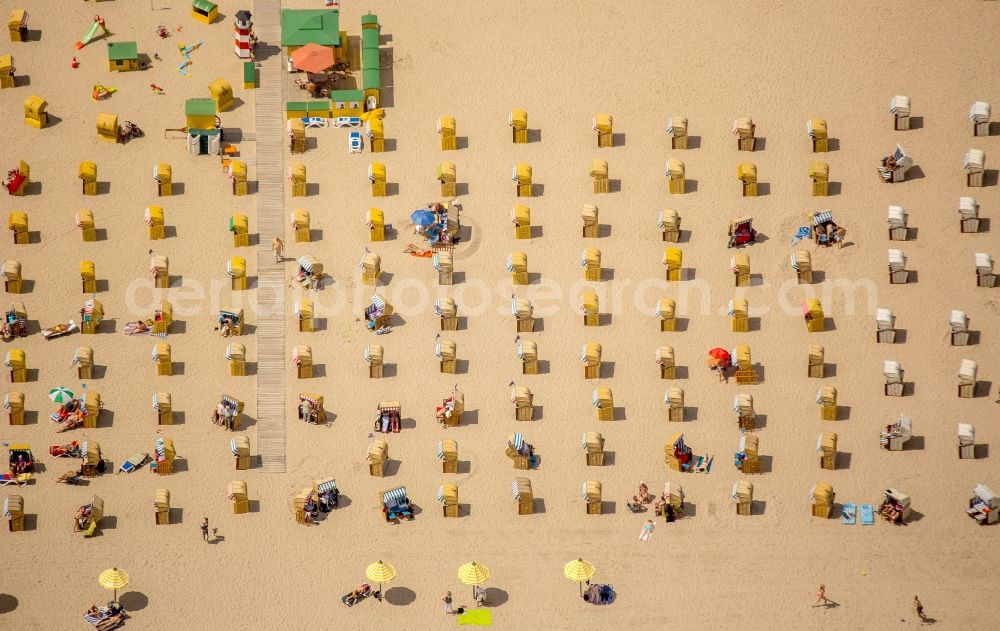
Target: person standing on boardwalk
204	529
279	249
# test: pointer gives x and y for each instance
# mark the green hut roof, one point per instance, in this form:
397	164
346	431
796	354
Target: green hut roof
347	95
310	26
122	51
372	79
203	5
369	18
199	107
369	38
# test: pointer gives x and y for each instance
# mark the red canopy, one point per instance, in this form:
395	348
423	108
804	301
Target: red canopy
718	356
313	58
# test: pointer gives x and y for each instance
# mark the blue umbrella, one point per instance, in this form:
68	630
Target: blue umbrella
423	217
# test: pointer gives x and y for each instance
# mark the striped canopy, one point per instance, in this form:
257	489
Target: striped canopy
395	496
60	394
579	571
113	579
327	485
473	573
517	441
380	572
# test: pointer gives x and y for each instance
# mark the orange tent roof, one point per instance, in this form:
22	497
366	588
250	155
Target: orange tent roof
313	58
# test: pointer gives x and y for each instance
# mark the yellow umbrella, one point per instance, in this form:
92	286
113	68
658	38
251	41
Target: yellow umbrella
473	574
113	579
579	571
380	573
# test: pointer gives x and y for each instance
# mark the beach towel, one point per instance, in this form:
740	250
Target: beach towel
867	515
477	617
802	233
848	515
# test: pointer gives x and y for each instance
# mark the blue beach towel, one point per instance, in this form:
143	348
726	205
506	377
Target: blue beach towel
848	515
867	515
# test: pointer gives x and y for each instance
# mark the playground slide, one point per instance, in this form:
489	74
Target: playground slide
89	36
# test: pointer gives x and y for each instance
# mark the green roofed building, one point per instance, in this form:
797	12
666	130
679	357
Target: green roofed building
347	103
371	73
312	26
123	56
200	113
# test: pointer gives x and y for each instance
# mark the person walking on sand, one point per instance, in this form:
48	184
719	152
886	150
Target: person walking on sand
204	528
918	608
821	597
647	530
279	249
447	603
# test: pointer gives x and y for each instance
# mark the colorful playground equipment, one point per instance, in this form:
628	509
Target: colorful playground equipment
92	32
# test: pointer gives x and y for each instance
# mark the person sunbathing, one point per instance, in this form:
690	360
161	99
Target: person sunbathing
136	328
111	622
226	329
363	590
413	250
634	505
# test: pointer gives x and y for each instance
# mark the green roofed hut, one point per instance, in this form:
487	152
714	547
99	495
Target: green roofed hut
204	11
346	103
313	26
203	129
123	56
371	72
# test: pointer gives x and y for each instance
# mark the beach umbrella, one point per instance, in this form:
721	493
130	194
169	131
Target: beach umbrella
579	571
380	572
60	394
718	356
423	217
313	58
473	574
113	579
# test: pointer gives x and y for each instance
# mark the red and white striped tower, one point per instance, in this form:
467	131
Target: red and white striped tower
242	33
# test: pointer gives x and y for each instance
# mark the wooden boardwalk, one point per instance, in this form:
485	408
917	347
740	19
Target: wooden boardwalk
270	135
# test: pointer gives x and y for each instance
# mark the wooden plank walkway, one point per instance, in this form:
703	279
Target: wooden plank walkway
270	135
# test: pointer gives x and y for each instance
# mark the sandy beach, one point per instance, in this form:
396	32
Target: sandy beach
779	63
